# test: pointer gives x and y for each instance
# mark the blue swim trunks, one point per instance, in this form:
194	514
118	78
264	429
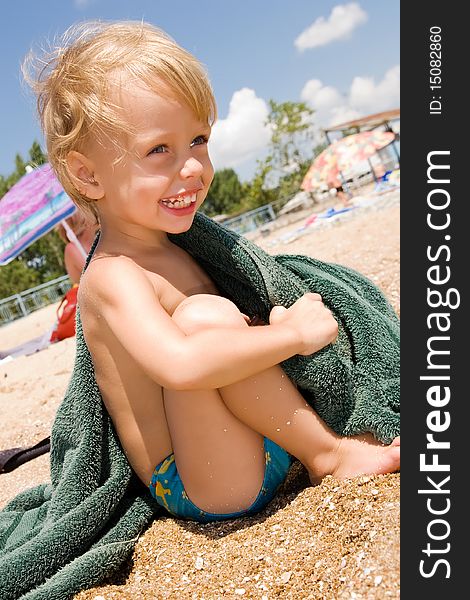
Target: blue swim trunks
167	488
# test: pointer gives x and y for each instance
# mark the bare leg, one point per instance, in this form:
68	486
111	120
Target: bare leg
270	404
344	198
220	459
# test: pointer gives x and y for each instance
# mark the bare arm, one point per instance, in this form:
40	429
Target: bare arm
211	358
74	262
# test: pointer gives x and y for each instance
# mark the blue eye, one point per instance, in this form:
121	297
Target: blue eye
200	140
158	150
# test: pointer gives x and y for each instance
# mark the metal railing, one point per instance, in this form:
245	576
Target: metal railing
24	303
251	220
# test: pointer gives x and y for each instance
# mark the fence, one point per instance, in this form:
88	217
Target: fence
251	220
20	305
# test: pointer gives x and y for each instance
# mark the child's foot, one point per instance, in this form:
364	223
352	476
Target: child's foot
357	455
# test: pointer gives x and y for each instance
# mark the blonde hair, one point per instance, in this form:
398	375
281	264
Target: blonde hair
71	82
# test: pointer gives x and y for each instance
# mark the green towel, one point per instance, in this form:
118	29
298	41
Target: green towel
58	538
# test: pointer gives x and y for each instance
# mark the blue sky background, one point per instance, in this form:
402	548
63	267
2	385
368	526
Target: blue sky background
250	51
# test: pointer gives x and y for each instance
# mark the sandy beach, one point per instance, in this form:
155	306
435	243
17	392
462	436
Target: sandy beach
335	541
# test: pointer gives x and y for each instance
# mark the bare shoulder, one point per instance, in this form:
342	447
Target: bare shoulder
113	294
110	267
74	262
112	280
124	316
71	251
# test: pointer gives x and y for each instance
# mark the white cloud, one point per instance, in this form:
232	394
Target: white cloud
343	114
344	18
243	134
321	97
364	97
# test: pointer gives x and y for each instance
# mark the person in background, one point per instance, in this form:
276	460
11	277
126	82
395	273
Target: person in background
85	229
343	196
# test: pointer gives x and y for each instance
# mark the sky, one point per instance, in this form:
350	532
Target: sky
342	59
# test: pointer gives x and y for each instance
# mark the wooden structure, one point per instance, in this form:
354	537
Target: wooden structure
365	123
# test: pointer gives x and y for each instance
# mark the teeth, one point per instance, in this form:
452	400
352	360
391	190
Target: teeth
179	201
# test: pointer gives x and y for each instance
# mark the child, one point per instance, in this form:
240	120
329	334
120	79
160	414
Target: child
204	413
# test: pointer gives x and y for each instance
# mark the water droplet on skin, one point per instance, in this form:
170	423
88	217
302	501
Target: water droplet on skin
225	430
288	423
282	376
280	389
272	418
257	397
278	429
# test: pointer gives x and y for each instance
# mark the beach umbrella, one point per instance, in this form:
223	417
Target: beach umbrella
342	155
30	209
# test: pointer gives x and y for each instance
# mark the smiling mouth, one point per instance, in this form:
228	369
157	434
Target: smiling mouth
180	201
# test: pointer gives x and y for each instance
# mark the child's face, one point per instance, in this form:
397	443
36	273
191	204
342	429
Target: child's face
166	171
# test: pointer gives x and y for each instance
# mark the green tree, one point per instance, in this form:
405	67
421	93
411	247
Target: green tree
36	158
43	260
292	133
224	194
16	277
36	155
46	256
255	192
289	184
290	153
8	182
20	166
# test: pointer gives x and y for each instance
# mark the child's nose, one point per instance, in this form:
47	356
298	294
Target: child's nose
192	168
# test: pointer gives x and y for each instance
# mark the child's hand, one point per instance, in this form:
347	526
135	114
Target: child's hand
313	322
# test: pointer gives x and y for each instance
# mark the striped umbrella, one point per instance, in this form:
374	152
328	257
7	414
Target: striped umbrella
342	155
30	209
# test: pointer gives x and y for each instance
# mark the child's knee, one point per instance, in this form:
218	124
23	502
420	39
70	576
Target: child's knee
207	310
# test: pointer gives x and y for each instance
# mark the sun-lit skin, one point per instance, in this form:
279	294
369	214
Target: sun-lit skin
163	160
178	367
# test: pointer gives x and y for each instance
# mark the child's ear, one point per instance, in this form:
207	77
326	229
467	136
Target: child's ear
82	175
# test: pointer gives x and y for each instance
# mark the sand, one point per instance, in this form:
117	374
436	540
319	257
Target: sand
335	541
